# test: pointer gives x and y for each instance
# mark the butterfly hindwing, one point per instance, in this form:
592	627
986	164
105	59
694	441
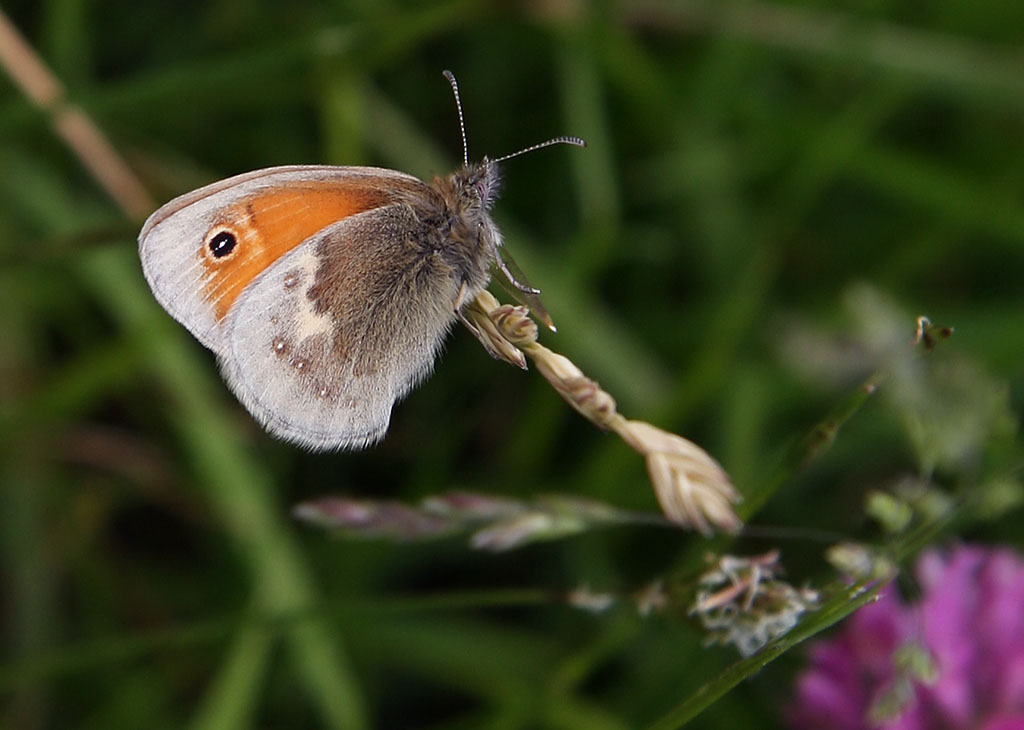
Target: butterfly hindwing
319	366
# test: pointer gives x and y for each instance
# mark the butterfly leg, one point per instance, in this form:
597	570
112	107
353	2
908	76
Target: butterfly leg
479	323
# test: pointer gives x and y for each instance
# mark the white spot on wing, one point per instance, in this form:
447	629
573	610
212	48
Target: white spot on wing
308	323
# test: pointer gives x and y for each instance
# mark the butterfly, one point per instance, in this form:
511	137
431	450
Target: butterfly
325	291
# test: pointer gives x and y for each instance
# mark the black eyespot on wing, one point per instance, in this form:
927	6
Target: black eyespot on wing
222	243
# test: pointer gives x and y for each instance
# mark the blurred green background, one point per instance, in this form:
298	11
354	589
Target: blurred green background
748	164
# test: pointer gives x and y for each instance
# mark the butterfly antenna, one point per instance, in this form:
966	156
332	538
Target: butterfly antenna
575	141
462	124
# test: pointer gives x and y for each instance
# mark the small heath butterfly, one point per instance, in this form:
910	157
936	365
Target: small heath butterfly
325	292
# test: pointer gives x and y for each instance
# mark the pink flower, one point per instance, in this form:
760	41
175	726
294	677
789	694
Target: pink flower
969	621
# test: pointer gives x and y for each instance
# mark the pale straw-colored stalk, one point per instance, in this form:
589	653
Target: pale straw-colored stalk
692	489
72	125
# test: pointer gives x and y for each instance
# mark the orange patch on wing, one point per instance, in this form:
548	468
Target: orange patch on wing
270	224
